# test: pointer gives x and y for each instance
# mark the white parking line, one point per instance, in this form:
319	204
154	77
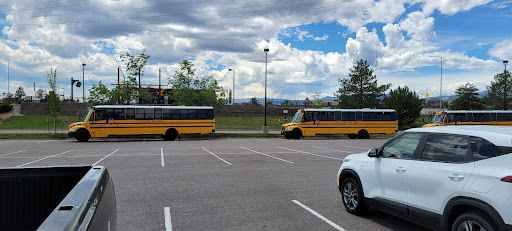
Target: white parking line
162	156
13	153
310	153
44	141
167	215
267	155
105	157
331	149
334	225
44	158
7	142
216	156
356	147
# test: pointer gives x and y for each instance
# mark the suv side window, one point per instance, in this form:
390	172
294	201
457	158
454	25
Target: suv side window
445	148
402	147
483	149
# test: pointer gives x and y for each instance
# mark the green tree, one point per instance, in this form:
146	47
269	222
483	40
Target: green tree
317	102
53	103
467	98
361	89
253	101
286	103
40	93
406	103
20	94
128	90
190	90
495	96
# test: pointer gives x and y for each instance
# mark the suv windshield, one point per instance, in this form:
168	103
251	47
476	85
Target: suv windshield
296	117
437	119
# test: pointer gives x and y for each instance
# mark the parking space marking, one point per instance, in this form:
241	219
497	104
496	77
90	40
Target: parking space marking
40	142
331	149
13	153
162	156
167	216
216	156
356	147
267	155
105	157
334	225
45	158
309	153
7	142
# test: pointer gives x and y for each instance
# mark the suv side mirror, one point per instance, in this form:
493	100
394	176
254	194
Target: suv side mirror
373	153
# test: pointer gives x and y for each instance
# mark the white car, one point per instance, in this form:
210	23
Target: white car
444	178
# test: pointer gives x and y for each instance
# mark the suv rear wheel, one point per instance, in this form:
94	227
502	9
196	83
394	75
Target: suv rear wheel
352	195
473	222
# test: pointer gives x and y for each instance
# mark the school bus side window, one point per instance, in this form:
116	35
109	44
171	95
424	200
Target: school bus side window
100	114
158	113
130	113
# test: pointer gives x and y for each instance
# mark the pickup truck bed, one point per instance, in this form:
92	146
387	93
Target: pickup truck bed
57	198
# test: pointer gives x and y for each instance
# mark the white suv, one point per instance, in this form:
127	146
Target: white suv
444	178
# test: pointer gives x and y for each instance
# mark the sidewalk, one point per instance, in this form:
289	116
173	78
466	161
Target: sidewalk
65	131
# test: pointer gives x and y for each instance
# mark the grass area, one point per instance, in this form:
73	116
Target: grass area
32	136
249	123
37	122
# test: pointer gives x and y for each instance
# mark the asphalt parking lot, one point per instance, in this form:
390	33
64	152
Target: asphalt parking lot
218	184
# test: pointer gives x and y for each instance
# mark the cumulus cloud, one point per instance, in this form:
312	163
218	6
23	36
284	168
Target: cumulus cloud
502	50
217	36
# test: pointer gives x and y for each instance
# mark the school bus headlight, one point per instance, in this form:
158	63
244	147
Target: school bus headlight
288	128
72	129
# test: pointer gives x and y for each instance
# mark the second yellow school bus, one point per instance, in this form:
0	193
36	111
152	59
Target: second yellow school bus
121	120
356	123
461	117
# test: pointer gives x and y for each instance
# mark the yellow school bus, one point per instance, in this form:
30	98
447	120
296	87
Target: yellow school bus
120	120
447	118
356	123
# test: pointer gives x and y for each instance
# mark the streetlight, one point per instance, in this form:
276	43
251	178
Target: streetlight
8	92
72	83
505	62
265	128
83	82
233	85
441	86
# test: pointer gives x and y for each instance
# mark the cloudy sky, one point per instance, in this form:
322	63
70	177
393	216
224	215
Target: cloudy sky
312	44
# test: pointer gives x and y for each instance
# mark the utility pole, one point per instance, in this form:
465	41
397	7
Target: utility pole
505	62
83	82
8	91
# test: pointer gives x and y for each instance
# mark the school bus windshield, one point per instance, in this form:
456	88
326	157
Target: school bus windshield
88	115
437	119
296	117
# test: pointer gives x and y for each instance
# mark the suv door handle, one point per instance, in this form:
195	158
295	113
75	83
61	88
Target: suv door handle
456	177
400	169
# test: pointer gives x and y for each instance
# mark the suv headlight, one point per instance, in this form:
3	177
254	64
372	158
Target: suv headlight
288	128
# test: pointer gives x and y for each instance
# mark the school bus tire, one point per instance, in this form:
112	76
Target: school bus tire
171	134
296	133
352	136
288	135
82	135
363	134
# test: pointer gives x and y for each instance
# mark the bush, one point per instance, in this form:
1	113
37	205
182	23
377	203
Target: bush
5	107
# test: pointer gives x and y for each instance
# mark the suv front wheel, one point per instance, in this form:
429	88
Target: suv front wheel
473	222
352	195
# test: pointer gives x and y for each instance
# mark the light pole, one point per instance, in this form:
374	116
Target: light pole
83	82
505	62
265	128
73	83
441	86
233	85
8	92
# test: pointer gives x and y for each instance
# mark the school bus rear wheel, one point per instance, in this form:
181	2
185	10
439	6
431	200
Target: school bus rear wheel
171	134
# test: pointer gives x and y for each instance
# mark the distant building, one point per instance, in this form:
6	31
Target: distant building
331	102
